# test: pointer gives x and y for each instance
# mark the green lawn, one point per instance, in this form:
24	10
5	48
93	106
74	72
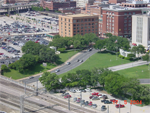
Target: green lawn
100	60
39	67
140	72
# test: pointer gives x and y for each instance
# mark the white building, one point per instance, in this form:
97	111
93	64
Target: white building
141	29
82	3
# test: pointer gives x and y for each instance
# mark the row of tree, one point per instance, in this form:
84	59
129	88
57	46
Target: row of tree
35	8
77	41
112	82
34	53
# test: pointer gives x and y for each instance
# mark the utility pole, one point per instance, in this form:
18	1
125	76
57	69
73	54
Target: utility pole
69	103
119	106
25	88
81	97
108	109
21	104
37	88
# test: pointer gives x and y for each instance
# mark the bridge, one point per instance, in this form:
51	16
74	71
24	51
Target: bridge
18	7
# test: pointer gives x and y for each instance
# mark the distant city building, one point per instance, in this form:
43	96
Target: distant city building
55	5
70	25
82	3
141	29
16	1
73	10
116	1
118	20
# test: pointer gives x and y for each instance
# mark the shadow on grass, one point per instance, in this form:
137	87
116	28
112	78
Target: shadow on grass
105	51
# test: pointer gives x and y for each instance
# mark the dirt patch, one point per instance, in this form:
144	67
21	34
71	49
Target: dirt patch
8	109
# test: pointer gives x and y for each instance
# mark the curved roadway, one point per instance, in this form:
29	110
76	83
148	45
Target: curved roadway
64	68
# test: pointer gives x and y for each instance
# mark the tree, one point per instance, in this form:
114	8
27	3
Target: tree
100	44
108	35
114	83
50	81
146	58
47	9
140	49
4	68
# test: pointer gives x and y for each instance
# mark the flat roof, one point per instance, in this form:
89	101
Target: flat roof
78	15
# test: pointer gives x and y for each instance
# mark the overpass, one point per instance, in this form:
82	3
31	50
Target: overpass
51	14
18	7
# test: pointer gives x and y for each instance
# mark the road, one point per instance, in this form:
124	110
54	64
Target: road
84	55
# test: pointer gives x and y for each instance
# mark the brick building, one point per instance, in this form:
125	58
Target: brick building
55	5
134	4
70	25
118	20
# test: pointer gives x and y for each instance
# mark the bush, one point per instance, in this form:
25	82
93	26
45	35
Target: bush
131	55
62	50
127	58
120	56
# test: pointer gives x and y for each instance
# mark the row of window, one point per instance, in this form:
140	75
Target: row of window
85	20
84	30
84	24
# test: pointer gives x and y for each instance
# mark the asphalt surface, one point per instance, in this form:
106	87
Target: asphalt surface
83	56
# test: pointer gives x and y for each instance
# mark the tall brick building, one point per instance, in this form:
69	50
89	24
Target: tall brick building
55	5
118	20
16	1
116	1
70	25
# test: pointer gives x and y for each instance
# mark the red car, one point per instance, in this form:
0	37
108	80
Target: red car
90	103
67	96
1	53
114	101
91	97
119	106
95	93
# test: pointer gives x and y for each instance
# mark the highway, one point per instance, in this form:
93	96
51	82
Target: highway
84	55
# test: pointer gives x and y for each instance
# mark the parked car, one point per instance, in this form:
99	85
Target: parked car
119	106
78	100
86	103
1	53
95	93
105	97
57	70
107	102
94	105
114	101
62	91
82	90
90	49
103	108
81	61
103	100
88	90
91	97
75	99
82	102
78	90
73	90
95	98
90	103
67	96
64	94
78	60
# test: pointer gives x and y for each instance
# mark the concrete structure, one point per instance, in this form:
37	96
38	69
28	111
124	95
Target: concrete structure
74	10
70	25
124	53
134	4
118	20
55	5
141	29
82	3
116	1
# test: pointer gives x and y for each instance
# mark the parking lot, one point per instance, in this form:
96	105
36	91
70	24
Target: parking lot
112	107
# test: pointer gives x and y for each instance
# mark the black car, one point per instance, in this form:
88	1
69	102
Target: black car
107	102
103	100
103	108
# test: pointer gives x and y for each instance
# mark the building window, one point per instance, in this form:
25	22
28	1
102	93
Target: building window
85	30
77	20
125	13
81	30
89	30
61	23
77	27
74	24
92	29
85	20
77	24
69	24
85	27
69	20
61	19
81	24
133	13
69	27
65	23
92	19
81	20
65	19
92	23
107	12
69	30
74	28
89	19
85	24
89	27
81	33
112	13
92	26
74	21
81	27
74	34
78	31
89	24
74	31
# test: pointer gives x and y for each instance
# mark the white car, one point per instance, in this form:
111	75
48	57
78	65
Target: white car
78	91
88	90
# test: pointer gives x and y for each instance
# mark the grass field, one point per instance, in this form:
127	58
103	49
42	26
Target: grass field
14	74
100	60
140	72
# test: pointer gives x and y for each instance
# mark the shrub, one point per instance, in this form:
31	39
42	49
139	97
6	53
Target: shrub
127	58
120	56
62	50
131	55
